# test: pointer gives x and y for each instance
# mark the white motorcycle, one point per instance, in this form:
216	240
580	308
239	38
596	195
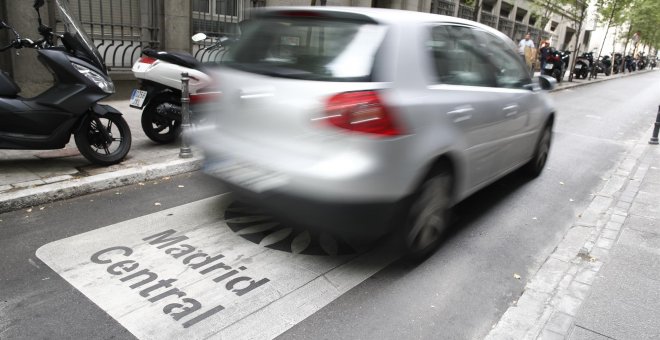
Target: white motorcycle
159	95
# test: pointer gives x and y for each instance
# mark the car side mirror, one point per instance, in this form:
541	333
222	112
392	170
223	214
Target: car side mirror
547	83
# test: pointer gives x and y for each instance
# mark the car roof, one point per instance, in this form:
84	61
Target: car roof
388	16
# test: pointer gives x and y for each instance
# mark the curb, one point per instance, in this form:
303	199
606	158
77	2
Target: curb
86	185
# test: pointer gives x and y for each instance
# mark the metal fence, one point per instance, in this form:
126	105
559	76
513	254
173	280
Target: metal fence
488	19
465	12
505	26
120	28
443	7
219	19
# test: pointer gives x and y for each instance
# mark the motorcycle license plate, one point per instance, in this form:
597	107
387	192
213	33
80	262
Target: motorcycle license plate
549	66
578	66
137	98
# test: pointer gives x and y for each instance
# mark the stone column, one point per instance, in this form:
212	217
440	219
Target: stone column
28	72
177	17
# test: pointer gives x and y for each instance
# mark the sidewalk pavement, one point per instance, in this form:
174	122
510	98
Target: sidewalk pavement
33	177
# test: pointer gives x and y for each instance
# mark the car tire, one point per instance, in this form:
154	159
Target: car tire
427	217
535	165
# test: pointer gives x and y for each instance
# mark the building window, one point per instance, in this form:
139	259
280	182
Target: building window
217	7
215	17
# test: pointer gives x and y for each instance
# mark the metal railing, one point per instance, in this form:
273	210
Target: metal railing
465	12
505	26
218	19
120	28
488	19
443	7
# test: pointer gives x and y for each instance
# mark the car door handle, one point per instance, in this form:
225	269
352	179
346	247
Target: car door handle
461	113
510	110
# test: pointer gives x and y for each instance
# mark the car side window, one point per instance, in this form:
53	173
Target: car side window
457	57
510	72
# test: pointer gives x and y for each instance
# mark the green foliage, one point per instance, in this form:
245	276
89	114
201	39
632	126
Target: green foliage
643	16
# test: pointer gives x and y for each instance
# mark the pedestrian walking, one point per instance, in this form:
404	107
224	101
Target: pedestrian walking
527	50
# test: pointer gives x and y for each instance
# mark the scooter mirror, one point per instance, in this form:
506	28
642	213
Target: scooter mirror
198	37
38	4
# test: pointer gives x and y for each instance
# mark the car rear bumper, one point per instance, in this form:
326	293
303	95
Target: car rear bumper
349	219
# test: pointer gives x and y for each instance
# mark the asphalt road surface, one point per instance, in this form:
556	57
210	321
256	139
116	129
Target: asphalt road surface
460	292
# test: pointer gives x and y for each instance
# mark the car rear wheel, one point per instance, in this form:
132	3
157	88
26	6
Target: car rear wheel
428	216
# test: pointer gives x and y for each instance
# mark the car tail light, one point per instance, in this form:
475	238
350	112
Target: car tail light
147	60
205	97
361	111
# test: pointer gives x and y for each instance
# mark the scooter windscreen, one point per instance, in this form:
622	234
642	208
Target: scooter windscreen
76	38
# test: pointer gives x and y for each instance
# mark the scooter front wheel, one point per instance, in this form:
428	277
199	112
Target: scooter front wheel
104	139
158	124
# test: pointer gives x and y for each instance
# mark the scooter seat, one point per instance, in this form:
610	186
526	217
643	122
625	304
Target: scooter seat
8	88
178	58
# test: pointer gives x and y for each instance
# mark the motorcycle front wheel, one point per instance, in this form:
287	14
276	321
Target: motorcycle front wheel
157	124
103	140
557	75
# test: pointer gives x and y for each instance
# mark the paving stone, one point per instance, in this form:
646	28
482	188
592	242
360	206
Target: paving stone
569	305
586	276
612	225
599	253
609	234
595	211
571	243
613	185
618	218
28	184
550	335
579	290
58	179
549	275
605	243
625	206
559	323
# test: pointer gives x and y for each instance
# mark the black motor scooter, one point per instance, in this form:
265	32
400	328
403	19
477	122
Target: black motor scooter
583	65
70	106
556	64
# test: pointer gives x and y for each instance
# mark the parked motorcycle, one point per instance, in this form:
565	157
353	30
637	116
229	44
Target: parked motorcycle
642	62
556	64
617	63
70	106
630	63
604	65
583	65
653	62
159	95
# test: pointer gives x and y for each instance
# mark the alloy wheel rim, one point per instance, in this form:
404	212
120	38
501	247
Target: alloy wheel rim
430	220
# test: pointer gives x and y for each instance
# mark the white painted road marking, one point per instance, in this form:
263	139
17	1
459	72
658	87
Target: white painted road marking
182	273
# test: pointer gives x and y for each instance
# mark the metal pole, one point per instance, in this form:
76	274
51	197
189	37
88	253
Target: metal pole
185	151
654	138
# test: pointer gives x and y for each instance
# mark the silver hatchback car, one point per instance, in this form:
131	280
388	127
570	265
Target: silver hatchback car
364	121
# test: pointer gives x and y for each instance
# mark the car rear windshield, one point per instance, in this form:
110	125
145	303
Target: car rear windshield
308	48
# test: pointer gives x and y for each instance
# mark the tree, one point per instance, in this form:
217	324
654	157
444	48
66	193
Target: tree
578	13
